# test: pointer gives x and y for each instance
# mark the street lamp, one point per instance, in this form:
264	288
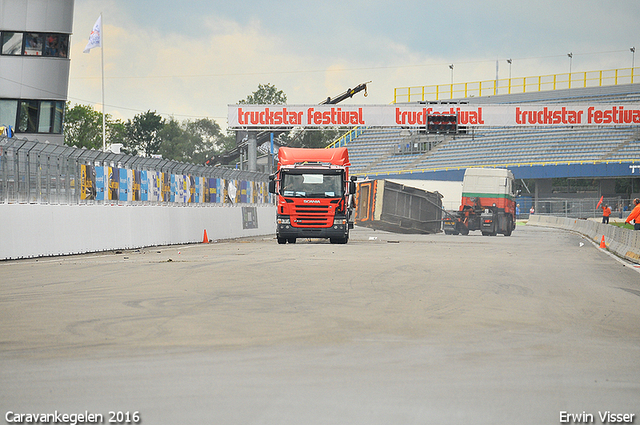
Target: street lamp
570	63
509	62
633	62
451	68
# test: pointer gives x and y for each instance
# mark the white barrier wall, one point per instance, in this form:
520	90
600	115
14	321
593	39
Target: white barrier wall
623	242
34	230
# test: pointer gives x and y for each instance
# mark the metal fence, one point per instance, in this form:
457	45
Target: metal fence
37	172
574	207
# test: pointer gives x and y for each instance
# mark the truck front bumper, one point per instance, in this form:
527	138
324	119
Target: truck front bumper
284	229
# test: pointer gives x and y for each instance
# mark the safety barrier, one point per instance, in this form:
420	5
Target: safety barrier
517	85
623	242
60	200
38	230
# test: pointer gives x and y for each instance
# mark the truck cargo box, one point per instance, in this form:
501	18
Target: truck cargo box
385	205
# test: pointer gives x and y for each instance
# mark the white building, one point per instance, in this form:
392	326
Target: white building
34	66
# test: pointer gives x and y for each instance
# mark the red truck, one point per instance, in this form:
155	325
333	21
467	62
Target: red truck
314	194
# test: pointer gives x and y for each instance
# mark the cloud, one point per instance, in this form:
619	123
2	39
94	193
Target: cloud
192	59
183	75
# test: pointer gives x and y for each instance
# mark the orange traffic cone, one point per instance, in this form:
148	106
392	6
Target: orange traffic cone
602	245
206	238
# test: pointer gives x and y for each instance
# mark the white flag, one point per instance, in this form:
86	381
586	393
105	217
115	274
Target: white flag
95	39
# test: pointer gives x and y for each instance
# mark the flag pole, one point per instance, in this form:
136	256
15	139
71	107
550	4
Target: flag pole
95	40
104	132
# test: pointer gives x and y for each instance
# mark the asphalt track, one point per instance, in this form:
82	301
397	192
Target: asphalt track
388	329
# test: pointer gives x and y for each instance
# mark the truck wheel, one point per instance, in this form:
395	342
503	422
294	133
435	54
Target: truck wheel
282	241
510	227
339	240
291	240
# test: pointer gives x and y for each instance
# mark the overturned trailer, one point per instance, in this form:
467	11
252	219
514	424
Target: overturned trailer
394	207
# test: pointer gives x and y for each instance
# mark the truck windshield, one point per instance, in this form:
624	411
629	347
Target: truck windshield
312	185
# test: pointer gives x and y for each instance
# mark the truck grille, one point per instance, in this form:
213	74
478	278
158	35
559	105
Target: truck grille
312	209
312	216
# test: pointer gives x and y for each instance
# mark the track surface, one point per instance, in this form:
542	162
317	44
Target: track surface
388	329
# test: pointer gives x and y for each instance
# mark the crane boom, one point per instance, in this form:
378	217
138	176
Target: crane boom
347	94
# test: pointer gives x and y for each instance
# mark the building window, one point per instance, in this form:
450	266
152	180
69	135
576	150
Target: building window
56	45
58	113
35	44
45	117
11	43
28	116
32	116
8	112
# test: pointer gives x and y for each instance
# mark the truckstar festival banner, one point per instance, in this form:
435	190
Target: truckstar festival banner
268	116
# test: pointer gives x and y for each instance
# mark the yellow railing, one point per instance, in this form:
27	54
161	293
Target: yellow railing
346	138
572	80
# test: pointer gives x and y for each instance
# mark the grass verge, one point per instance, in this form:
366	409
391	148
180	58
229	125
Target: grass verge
623	225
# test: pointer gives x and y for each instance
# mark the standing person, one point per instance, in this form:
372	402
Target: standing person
606	212
635	215
620	209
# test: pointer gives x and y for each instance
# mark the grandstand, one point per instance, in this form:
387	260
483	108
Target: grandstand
534	152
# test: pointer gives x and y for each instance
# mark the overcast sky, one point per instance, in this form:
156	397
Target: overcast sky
190	59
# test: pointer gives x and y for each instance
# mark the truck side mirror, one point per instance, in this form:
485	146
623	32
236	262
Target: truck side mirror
272	183
352	185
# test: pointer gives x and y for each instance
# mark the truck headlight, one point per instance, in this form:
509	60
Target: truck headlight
284	221
339	221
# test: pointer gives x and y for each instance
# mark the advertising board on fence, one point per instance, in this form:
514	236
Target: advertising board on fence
415	115
120	184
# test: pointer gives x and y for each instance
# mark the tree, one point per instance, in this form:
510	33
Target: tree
116	132
174	142
83	127
267	94
142	134
192	141
206	134
319	138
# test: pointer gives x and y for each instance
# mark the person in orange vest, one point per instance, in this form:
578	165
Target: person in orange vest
635	215
606	212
